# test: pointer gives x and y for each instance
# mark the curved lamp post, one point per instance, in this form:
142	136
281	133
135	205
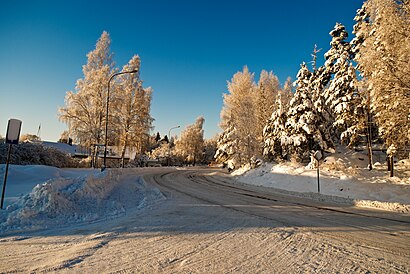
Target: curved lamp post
169	142
106	114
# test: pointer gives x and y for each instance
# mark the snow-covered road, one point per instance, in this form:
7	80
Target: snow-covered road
206	224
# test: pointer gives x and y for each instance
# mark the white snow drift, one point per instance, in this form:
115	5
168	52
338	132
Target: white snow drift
344	178
89	197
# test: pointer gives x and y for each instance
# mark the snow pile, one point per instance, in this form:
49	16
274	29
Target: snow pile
22	179
71	200
343	179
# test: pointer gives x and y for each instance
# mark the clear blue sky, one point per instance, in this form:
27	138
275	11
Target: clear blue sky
189	49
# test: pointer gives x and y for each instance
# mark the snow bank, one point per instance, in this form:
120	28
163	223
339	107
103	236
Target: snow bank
83	199
22	178
342	180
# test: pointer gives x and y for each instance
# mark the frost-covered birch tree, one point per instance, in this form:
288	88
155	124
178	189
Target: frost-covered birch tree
382	47
190	145
267	90
131	106
286	93
84	109
239	111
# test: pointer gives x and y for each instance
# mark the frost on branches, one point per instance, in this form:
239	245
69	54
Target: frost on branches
85	109
190	145
240	111
382	47
247	108
266	93
131	109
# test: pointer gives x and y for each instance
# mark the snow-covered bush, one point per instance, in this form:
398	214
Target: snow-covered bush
36	154
160	152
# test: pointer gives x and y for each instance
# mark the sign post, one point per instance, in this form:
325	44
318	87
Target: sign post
390	156
318	155
12	138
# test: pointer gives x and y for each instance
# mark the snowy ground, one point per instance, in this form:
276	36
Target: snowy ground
344	178
43	196
206	224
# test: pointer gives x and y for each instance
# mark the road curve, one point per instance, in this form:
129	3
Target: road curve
375	235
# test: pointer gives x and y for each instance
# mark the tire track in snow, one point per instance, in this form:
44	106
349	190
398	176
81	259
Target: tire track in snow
208	201
47	255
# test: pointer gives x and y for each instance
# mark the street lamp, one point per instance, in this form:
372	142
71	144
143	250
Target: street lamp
169	141
106	115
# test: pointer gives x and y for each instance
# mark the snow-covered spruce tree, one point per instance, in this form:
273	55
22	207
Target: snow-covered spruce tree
131	106
319	82
342	96
85	109
361	31
210	149
383	55
274	132
303	131
239	110
266	93
190	145
227	152
274	129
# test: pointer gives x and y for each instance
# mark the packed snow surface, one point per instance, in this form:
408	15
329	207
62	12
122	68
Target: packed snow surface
343	178
62	196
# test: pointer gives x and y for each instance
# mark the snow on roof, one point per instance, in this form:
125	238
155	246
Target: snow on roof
66	148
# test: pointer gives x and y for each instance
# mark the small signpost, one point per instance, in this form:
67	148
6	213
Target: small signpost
318	155
390	156
12	138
